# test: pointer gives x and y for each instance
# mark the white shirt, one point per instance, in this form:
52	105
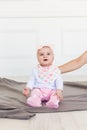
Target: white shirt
54	82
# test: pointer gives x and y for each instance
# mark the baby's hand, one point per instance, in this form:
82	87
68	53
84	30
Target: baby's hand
26	91
59	94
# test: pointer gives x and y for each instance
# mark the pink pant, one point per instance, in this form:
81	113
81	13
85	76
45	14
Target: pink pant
43	94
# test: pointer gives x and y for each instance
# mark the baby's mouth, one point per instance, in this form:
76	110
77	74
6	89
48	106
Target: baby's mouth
45	59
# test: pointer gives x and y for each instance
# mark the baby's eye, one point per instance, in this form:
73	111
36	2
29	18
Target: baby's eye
41	54
48	53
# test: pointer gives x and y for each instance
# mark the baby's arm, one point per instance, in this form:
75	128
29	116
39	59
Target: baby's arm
59	86
29	85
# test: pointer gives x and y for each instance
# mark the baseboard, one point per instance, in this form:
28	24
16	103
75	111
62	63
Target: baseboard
65	78
74	77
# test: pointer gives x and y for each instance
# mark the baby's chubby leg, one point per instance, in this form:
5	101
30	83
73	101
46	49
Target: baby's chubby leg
53	101
35	98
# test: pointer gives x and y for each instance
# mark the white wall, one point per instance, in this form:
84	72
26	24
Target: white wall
24	24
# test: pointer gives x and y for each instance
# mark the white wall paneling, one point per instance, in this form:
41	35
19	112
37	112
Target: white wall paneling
17	40
17	44
26	23
42	8
18	0
74	42
20	36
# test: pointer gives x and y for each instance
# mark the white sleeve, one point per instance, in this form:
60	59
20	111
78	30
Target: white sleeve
59	82
31	82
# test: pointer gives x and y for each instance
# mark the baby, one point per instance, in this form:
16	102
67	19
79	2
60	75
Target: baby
45	83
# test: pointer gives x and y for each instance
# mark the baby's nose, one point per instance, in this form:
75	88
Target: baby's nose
45	56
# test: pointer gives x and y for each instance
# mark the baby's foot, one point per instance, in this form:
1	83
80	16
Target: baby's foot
51	104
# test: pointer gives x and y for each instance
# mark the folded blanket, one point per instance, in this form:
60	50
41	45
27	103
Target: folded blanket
13	102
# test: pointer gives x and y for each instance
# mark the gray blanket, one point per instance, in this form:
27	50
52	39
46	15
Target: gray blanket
13	102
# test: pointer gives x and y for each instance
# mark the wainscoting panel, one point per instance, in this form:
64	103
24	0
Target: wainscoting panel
74	42
19	38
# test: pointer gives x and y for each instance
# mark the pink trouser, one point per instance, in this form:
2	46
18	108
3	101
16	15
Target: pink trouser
43	94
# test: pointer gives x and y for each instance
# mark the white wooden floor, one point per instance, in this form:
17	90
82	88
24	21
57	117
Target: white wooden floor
76	120
51	121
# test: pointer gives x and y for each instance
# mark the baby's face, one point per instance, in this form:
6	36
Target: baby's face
45	56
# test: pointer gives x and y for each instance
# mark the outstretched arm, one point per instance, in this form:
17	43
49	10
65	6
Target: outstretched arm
74	64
